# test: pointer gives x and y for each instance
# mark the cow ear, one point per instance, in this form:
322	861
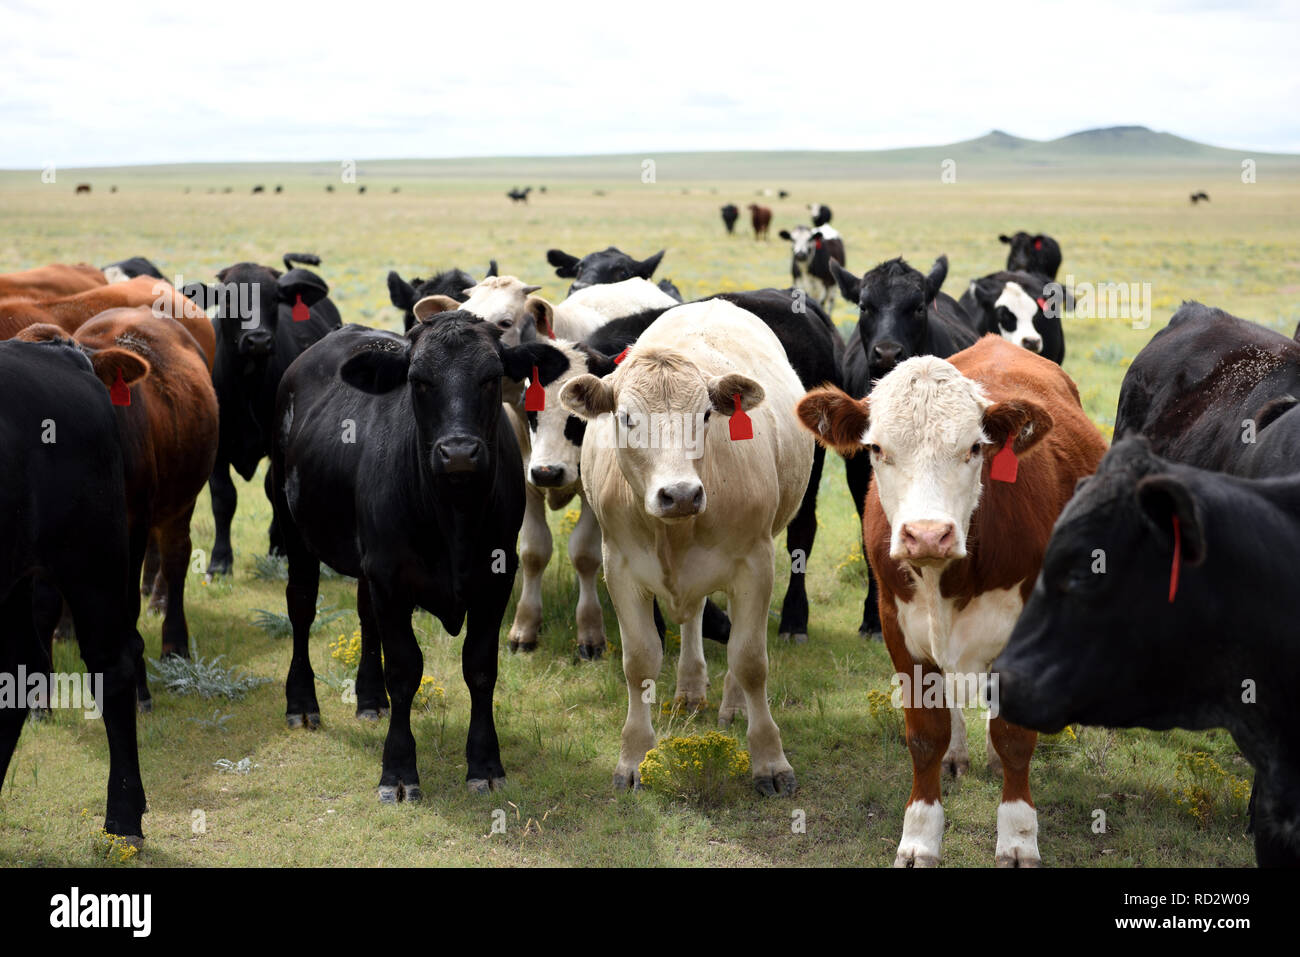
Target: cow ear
302	282
836	419
1163	496
646	267
564	263
934	281
492	269
723	390
1272	410
1004	238
430	306
519	361
587	396
599	364
785	234
543	314
108	363
376	370
1028	421
44	332
400	292
201	294
850	285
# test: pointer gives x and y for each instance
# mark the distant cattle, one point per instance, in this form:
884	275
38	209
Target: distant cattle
901	314
1038	253
761	218
1198	604
83	188
518	195
973	460
264	320
329	189
259	189
62	517
361	190
1017	307
608	265
782	194
46	282
423	509
694	510
820	213
812	252
730	213
455	283
279	189
112	189
1198	197
130	268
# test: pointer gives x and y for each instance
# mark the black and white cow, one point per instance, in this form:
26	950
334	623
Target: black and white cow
812	252
608	265
901	314
455	283
820	213
1017	307
730	213
423	509
130	268
264	320
1036	253
1193	625
63	519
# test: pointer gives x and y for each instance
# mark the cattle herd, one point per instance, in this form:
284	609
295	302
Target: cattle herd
692	434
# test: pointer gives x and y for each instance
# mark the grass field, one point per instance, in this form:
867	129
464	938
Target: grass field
309	798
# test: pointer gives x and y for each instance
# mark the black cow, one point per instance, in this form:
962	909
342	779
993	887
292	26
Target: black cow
130	268
812	252
1017	307
1197	197
730	213
1193	624
1208	388
1038	253
264	320
63	520
609	265
820	213
901	314
518	195
450	282
424	509
259	189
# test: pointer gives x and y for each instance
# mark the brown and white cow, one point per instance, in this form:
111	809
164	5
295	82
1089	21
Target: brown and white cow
956	527
685	510
44	282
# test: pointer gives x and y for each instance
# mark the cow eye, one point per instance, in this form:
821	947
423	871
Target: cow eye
975	449
874	449
707	413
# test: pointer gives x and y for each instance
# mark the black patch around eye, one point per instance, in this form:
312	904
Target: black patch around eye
574	429
532	421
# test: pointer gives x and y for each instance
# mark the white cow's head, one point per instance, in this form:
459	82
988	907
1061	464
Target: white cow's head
662	406
805	241
504	301
929	430
1016	311
556	434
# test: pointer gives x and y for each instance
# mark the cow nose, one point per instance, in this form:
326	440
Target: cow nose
546	476
1033	345
885	355
927	539
461	454
257	342
681	499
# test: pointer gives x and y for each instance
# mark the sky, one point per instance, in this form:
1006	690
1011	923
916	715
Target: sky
93	84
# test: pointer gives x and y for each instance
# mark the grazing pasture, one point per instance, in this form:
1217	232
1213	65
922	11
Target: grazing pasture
309	798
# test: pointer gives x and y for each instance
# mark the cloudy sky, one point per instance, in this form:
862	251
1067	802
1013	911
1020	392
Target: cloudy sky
154	82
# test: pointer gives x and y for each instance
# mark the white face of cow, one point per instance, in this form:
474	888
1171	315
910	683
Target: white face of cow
926	443
1021	308
508	303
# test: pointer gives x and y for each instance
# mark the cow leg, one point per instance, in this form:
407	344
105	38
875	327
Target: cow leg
224	497
799	537
584	553
301	706
534	556
990	750
372	698
642	658
139	544
18	647
750	593
274	533
47	607
692	675
857	475
173	542
403	667
151	581
956	760
478	657
1017	819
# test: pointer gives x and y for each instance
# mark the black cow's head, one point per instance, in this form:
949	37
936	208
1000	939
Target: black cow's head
892	303
248	298
1099	626
1036	253
451	368
608	265
454	283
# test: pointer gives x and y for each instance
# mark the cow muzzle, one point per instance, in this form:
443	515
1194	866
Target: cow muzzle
678	500
461	455
257	343
927	542
548	476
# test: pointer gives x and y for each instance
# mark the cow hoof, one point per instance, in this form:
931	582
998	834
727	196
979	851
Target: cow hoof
371	714
311	720
912	859
957	767
627	780
1015	860
781	784
524	646
388	794
689	703
409	792
133	840
798	637
145	705
876	635
478	785
591	652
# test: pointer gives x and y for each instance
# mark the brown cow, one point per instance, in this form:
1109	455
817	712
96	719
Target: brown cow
45	282
169	440
69	312
761	217
973	458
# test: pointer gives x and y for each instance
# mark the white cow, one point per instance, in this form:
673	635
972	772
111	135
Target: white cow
687	511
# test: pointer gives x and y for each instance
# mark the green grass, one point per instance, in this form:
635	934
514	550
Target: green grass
309	798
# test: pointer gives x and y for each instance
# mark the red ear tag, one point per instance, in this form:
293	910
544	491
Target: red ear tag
741	427
301	313
1038	244
622	355
1004	466
818	242
535	395
1042	303
550	333
118	391
1178	559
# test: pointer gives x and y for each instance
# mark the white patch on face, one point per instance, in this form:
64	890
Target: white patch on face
1017	834
926	418
922	834
500	300
804	240
1019	303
